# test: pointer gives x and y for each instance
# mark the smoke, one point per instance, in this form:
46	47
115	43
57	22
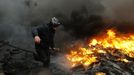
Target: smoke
13	22
49	8
43	71
17	17
80	18
74	14
119	9
120	12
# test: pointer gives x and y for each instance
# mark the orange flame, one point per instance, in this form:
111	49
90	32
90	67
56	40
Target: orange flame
124	43
100	73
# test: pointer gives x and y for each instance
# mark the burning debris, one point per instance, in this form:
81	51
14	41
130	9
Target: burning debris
100	73
106	52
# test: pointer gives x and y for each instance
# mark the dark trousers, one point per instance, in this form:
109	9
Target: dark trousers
8	73
43	54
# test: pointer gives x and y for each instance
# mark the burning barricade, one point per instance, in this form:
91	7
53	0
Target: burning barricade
111	48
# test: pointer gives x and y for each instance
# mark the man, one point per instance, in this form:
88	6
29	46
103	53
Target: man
44	39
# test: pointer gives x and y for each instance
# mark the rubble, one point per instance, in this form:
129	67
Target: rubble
17	61
110	52
21	62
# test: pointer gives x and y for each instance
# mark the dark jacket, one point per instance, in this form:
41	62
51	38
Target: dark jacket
46	33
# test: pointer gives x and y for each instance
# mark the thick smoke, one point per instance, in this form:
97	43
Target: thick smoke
13	22
17	17
80	18
119	9
121	14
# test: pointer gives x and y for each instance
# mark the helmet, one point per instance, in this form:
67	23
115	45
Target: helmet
55	22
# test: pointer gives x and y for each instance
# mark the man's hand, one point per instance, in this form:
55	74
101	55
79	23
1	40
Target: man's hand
37	39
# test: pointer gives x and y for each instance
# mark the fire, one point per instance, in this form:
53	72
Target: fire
123	60
123	42
83	56
109	42
100	73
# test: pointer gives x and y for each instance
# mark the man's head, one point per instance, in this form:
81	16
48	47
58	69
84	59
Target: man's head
55	22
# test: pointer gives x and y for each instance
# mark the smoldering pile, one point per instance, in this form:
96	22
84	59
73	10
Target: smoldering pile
109	52
107	65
